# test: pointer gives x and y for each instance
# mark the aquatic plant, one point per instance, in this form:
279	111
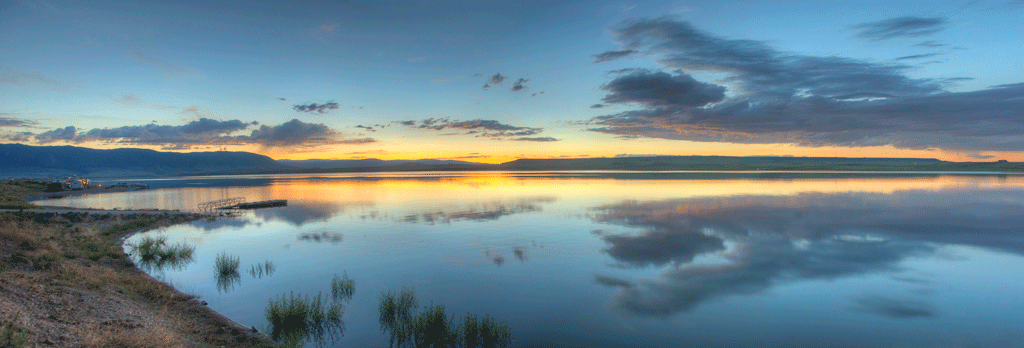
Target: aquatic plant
434	328
227	282
155	253
342	288
226	264
260	269
297	319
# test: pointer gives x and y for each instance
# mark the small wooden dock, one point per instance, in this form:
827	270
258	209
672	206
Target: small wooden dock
257	205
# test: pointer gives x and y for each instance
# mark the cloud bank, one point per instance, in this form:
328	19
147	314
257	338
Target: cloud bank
900	27
769	96
205	131
481	128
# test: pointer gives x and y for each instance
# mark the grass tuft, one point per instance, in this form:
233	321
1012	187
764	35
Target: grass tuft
258	270
296	319
226	264
125	227
342	288
155	253
434	328
11	334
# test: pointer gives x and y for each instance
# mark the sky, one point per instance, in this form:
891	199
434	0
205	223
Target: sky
492	81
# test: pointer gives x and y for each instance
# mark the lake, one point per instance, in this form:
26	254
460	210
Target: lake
591	259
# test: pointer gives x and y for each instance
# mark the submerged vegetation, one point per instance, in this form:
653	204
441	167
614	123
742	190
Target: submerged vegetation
342	288
297	319
434	328
155	253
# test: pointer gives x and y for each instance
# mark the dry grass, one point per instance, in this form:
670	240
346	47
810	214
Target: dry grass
120	337
14	193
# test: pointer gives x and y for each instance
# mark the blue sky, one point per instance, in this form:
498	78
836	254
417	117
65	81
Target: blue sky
805	78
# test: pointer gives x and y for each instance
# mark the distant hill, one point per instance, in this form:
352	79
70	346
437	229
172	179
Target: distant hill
53	161
720	163
367	163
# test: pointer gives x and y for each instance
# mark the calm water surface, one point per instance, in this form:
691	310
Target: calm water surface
591	260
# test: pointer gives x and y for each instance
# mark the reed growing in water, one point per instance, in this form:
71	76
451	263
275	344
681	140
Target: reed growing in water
155	253
226	264
432	327
342	288
297	319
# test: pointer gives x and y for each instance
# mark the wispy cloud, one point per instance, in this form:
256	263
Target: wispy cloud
479	128
324	32
166	69
497	79
900	27
537	139
17	122
612	55
316	108
919	56
519	85
26	79
894	308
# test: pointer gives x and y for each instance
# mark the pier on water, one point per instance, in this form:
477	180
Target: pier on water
239	203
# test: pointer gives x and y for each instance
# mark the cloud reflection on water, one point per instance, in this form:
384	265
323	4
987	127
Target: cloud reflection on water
769	240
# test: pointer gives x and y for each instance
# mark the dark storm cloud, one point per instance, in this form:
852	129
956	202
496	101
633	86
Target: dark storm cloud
16	122
316	108
518	85
537	139
483	128
778	240
900	27
661	90
892	308
612	55
782	97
